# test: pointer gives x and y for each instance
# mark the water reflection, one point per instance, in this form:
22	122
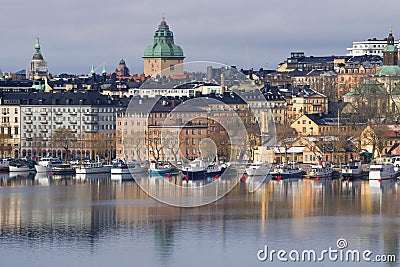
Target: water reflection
87	215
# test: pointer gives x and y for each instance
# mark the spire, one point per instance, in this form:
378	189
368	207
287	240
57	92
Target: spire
92	71
37	46
390	39
37	55
104	72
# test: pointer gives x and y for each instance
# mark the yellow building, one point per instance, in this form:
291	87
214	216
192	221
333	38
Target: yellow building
163	57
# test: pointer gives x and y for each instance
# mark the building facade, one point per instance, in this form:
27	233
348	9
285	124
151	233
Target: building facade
88	116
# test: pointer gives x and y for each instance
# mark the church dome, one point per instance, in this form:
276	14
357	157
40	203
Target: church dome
163	45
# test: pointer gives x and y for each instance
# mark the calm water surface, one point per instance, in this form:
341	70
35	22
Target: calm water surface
98	222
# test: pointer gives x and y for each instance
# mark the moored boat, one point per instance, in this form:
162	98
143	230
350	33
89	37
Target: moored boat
284	171
258	168
200	169
382	171
21	165
123	167
161	168
45	164
322	170
352	170
97	167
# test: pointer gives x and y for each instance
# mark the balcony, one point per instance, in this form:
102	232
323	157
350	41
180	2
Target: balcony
28	130
90	114
58	113
28	122
73	113
28	113
43	122
90	122
43	130
73	122
43	113
58	122
91	131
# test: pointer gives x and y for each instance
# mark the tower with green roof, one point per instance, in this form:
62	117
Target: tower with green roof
390	58
163	57
37	68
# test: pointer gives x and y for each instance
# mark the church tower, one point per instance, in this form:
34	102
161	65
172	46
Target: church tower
163	57
37	68
390	52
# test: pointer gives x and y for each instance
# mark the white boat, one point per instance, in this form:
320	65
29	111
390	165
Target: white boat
126	167
45	164
353	169
20	165
258	168
97	167
322	170
382	171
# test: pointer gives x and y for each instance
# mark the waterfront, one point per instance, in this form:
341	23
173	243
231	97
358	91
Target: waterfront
71	222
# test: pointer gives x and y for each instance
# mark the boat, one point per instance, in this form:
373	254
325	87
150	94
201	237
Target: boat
396	163
21	165
200	169
90	167
322	170
161	168
285	171
45	164
62	168
382	171
122	167
353	170
258	168
4	164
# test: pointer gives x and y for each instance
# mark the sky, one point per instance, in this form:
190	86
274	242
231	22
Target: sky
76	34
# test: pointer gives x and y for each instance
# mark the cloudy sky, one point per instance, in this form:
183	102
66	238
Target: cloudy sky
75	34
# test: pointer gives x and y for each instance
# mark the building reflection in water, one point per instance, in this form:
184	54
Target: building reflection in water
85	213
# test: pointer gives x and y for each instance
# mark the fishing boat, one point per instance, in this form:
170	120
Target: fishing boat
258	168
382	171
200	169
93	167
321	170
352	170
161	168
21	165
122	167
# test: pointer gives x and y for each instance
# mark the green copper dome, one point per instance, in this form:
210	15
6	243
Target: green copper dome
163	44
387	70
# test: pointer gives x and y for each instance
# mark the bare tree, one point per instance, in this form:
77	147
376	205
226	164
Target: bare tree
65	139
285	135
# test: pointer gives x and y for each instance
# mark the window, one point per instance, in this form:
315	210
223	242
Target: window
171	67
304	129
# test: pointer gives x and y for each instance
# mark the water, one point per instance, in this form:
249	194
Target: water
99	222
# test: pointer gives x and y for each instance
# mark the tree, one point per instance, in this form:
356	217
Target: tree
285	135
65	139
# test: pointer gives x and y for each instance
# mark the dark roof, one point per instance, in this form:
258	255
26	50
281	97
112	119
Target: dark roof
87	98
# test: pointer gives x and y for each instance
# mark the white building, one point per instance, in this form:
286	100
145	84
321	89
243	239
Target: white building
85	114
369	47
